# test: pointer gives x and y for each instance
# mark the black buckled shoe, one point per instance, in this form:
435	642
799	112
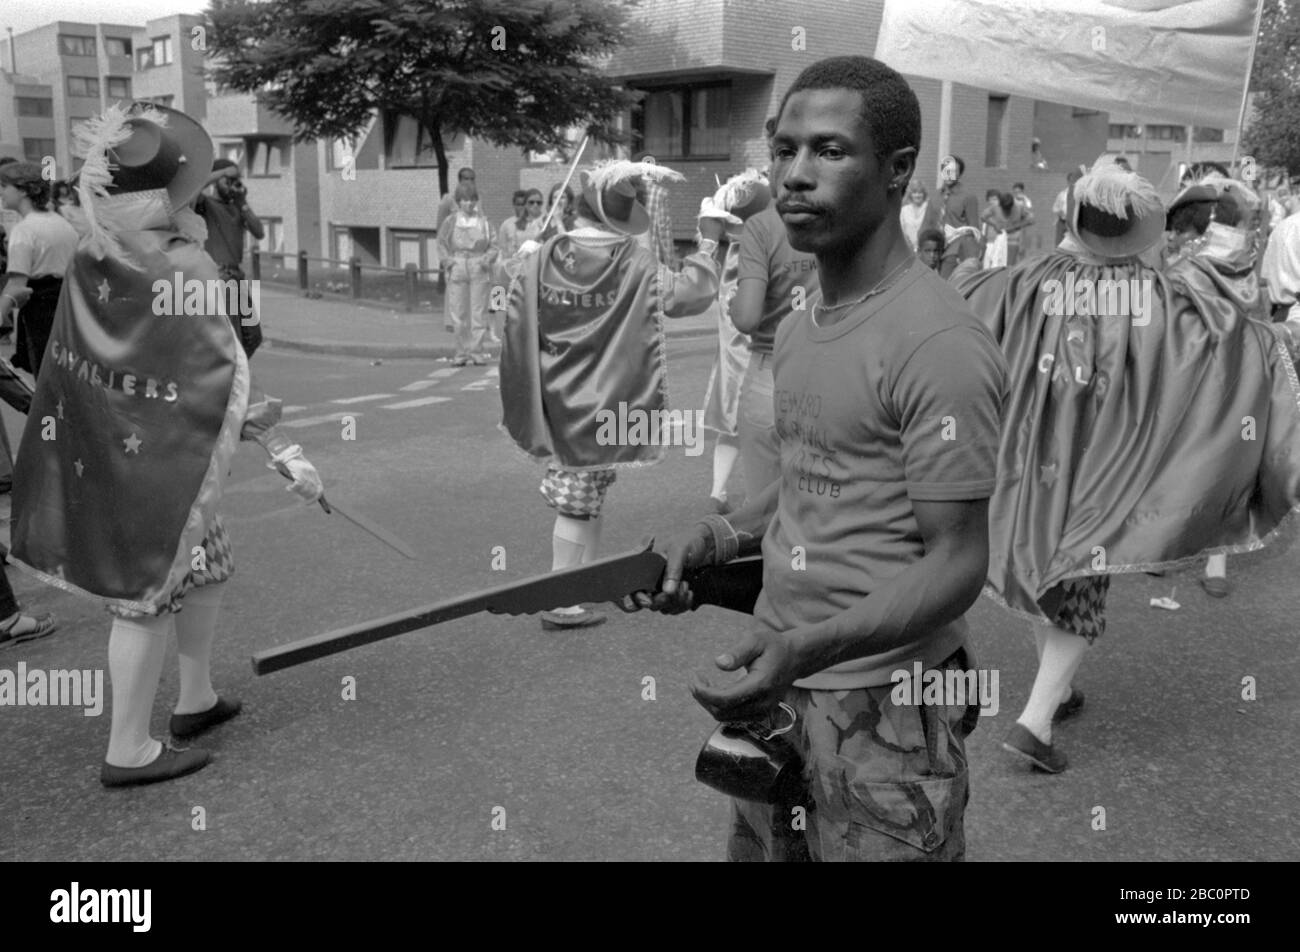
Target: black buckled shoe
1022	742
170	763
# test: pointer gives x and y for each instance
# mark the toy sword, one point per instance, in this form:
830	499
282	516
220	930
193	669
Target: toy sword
734	585
379	532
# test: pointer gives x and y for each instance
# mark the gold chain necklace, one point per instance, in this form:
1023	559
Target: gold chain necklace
879	287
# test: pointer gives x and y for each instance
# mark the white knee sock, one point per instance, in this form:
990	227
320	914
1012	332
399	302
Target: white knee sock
571	541
725	453
196	628
136	648
1216	566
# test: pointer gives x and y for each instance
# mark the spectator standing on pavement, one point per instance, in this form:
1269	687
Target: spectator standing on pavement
227	214
514	231
447	204
1281	270
957	212
1009	217
468	250
16	626
913	214
930	248
1059	207
41	247
562	220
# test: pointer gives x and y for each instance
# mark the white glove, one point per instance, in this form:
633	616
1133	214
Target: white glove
709	208
528	247
306	481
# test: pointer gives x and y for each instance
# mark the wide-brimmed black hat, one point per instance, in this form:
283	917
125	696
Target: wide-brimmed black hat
175	156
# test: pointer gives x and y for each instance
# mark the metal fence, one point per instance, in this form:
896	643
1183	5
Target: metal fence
414	289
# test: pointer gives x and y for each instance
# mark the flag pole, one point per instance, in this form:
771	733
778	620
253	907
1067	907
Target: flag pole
1245	90
568	178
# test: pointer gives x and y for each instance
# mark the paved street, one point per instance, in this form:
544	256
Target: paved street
490	711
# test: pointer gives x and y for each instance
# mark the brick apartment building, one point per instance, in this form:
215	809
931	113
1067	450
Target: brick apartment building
708	73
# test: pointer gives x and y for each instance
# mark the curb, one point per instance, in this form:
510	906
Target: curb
427	352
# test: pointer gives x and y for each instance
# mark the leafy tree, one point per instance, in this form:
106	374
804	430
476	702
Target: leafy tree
513	72
1273	136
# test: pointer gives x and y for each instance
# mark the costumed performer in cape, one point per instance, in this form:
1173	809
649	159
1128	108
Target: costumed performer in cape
1145	429
746	194
1214	226
137	415
583	377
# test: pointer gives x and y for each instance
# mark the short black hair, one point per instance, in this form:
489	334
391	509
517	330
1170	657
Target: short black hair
930	234
1194	216
961	163
992	193
889	106
465	173
521	194
1018	185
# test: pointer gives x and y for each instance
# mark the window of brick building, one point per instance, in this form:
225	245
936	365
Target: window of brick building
995	152
417	247
35	150
31	106
683	122
87	86
76	45
407	145
272	240
119	88
117	46
157	53
265	158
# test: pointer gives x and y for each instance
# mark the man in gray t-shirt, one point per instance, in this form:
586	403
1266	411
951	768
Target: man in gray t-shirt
773	282
888	397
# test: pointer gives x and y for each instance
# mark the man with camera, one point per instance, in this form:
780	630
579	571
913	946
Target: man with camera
228	216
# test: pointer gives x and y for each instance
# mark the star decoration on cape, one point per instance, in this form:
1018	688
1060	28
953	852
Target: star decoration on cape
104	290
1075	334
1048	474
133	444
79	467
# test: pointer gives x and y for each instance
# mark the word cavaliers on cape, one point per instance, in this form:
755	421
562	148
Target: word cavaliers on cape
131	384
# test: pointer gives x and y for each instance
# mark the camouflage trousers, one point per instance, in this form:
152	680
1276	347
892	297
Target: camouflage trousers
882	782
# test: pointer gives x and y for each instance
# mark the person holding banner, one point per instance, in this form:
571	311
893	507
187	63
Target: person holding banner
1153	426
132	429
584	359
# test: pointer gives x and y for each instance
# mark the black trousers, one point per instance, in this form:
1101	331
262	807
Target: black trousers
35	321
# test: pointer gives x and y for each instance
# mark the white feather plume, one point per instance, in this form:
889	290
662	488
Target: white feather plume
1110	188
738	189
92	141
606	174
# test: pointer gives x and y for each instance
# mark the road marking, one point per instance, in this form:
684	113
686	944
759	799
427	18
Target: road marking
369	396
422	402
312	421
418	385
294	409
447	372
494	372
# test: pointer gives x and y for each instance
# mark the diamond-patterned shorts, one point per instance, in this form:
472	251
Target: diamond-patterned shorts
579	494
1083	606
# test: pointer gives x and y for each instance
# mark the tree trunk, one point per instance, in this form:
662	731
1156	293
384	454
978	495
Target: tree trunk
434	125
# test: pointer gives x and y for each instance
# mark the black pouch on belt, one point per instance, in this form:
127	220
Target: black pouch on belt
752	761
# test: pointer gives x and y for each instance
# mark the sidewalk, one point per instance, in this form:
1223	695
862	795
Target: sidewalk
337	325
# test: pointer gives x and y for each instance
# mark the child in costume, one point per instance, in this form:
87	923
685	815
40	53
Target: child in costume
746	194
1139	437
148	407
584	340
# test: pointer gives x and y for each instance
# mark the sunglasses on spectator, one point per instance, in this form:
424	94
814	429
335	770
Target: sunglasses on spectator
536	201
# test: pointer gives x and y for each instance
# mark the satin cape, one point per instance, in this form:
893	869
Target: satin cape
583	356
131	432
1130	443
